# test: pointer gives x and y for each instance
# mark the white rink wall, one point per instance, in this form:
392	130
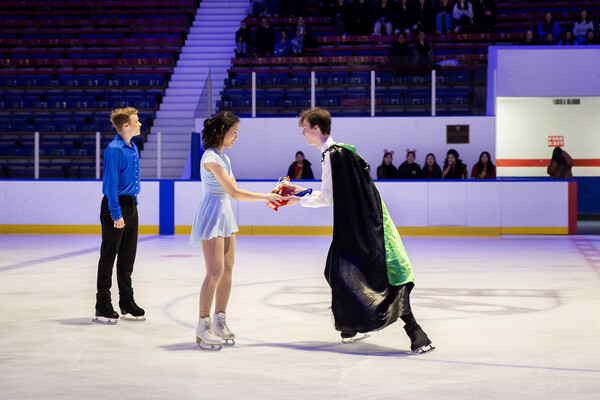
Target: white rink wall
417	207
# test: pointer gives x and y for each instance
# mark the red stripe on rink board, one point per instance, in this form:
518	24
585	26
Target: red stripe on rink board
533	162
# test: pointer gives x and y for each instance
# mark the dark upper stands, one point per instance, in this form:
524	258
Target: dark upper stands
342	66
66	64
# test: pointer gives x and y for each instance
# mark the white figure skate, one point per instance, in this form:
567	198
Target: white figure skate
205	337
221	329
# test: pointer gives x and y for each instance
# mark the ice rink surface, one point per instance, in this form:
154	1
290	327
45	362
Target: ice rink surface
512	318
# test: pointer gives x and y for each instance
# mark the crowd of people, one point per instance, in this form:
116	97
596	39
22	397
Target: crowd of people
549	33
399	18
453	167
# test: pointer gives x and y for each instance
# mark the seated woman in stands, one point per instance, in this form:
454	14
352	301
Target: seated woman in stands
590	38
582	25
454	167
424	51
529	39
243	37
282	46
443	16
484	169
431	169
387	170
384	16
409	169
300	37
462	15
548	26
568	39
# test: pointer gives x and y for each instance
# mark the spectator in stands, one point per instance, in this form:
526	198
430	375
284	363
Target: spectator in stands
264	38
300	169
484	169
431	169
300	37
548	26
424	52
243	37
462	15
568	39
387	170
119	218
421	15
363	16
560	165
529	39
342	18
549	39
384	16
485	13
401	55
403	12
409	169
454	167
297	7
275	8
282	45
582	25
259	8
443	16
591	38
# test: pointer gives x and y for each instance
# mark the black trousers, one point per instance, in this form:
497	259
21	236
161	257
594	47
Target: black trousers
117	242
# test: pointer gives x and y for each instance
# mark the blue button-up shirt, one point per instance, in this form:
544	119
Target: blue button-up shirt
121	173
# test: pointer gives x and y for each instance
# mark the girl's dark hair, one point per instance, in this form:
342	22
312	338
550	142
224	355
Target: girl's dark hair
411	152
488	166
299	152
215	128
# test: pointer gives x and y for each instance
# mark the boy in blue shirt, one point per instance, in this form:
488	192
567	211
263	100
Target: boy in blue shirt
119	218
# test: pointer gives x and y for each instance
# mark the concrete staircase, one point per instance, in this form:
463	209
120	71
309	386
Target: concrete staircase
210	44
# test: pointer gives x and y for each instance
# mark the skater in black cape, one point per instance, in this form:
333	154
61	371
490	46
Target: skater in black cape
367	267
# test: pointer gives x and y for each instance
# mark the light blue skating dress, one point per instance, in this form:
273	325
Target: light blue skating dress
214	217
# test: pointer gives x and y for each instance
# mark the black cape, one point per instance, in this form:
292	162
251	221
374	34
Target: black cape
363	300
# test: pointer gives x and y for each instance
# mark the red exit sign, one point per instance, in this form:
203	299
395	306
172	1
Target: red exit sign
554	141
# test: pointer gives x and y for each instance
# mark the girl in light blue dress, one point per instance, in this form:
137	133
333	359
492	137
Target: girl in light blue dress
214	227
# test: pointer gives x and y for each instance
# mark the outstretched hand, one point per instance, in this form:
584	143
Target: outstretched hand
274	197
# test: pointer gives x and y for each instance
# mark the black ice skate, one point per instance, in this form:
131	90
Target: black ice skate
349	336
105	313
131	311
419	342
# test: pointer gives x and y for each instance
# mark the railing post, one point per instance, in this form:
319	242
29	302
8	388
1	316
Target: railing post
253	94
158	155
372	93
36	155
208	77
312	89
433	95
97	155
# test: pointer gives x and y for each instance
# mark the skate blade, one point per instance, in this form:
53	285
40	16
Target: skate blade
424	349
228	342
355	338
105	321
206	346
129	317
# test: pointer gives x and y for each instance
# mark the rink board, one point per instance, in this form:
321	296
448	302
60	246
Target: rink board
475	208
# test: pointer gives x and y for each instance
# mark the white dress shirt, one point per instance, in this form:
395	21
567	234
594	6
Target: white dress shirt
323	197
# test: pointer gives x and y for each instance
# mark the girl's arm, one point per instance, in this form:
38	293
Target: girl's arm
230	185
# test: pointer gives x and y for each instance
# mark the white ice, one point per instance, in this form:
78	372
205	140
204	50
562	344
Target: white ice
512	318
